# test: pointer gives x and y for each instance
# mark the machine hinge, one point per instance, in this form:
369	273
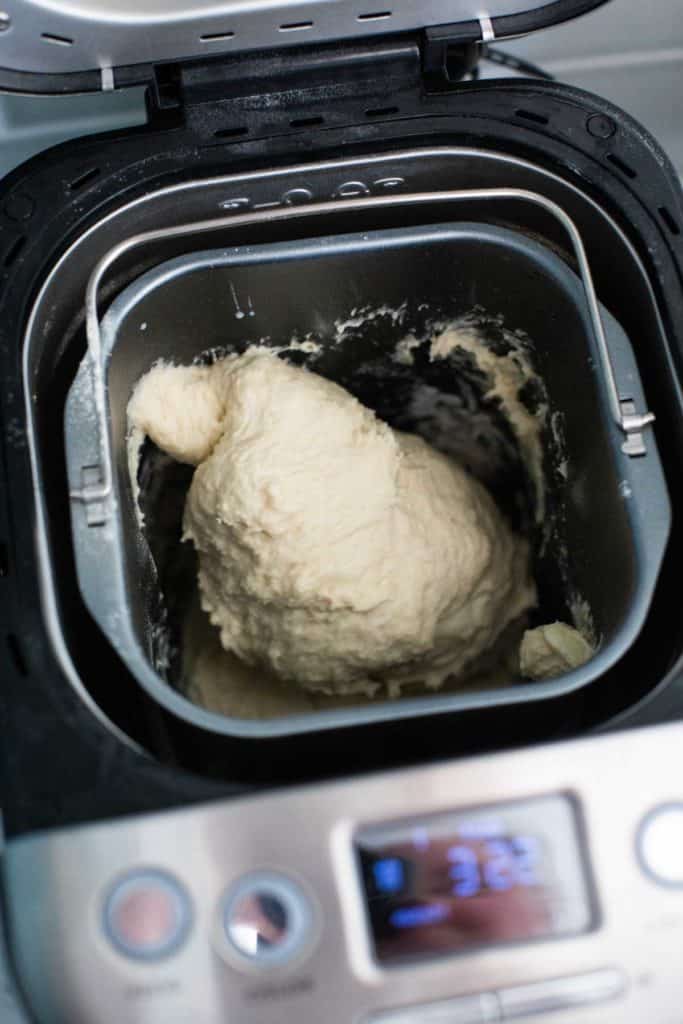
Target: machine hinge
166	87
451	52
314	75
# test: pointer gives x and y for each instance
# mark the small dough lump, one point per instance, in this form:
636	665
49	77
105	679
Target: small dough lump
181	409
549	651
334	552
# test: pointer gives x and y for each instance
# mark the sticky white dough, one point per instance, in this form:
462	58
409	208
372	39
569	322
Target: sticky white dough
549	651
333	551
180	408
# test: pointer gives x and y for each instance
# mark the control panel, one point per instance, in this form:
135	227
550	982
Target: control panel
542	884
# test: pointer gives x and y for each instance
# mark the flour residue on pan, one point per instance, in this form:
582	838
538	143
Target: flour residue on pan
582	617
508	374
134	445
362	316
503	359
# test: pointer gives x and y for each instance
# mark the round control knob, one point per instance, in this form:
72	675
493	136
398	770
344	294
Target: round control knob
267	920
147	915
660	844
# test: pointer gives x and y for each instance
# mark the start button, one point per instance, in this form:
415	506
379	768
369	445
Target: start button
147	915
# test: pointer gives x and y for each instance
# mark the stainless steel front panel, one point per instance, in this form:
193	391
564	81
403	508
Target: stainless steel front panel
626	970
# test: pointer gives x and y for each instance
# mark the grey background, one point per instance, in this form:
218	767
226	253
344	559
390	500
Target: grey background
630	52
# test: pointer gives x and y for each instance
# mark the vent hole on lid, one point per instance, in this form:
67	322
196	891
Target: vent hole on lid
669	221
14	250
57	40
620	165
4	560
83	179
296	26
306	122
530	115
16	654
216	37
381	112
231	133
374	16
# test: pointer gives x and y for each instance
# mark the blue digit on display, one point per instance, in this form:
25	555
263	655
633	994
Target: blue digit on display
528	856
389	874
464	871
499	868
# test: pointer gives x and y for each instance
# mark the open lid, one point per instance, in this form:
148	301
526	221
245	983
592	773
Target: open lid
78	45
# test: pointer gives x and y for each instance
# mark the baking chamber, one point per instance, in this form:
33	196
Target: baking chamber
342	304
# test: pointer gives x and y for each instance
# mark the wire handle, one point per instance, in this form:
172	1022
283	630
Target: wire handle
626	418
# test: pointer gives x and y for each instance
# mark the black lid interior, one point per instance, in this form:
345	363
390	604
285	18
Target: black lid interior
78	45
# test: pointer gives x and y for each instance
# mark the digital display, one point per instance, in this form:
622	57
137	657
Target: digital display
453	882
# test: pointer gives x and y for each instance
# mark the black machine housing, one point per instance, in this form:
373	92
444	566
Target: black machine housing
59	762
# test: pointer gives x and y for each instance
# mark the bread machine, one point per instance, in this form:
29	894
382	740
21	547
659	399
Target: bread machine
500	857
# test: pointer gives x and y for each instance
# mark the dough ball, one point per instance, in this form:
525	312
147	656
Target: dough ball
337	553
549	651
180	408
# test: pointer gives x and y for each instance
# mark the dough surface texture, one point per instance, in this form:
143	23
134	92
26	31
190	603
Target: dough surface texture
334	552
